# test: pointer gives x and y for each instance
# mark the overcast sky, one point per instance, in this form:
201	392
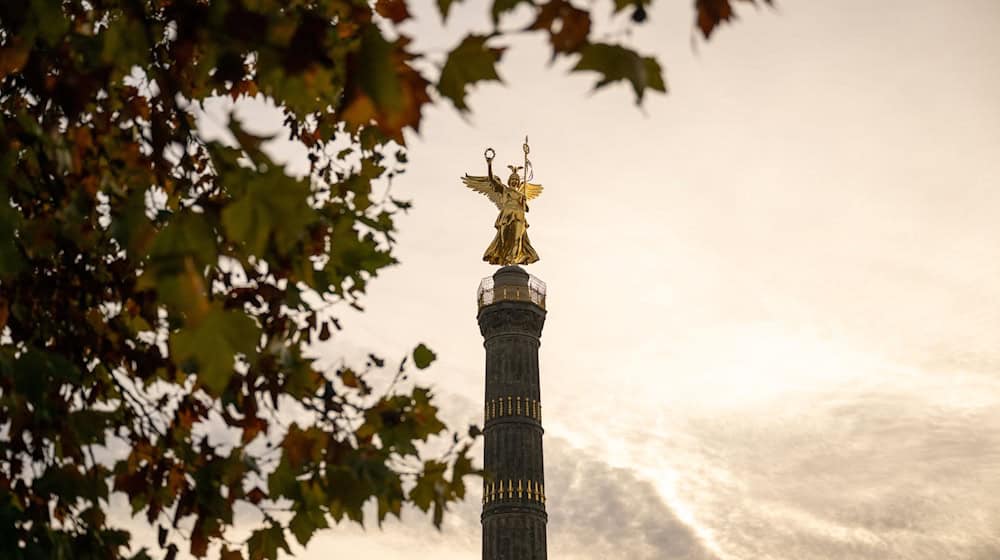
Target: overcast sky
773	297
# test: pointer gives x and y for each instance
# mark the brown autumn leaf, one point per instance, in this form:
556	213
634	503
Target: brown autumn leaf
13	57
394	10
243	87
415	96
350	378
357	110
568	26
186	417
176	480
303	445
712	13
252	426
383	88
199	543
256	495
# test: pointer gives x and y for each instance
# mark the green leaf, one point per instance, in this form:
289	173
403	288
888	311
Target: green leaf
654	74
301	380
90	425
378	71
616	63
622	4
444	6
264	543
10	258
305	523
423	356
187	234
281	482
424	492
141	555
129	225
273	203
425	414
501	7
461	468
50	19
209	347
353	253
471	61
124	45
302	92
35	372
431	490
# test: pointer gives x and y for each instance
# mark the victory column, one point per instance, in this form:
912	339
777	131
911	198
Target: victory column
511	315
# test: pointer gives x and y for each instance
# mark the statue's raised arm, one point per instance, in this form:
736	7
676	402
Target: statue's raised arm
489	154
488	184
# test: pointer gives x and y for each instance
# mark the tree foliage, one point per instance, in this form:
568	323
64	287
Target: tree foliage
159	290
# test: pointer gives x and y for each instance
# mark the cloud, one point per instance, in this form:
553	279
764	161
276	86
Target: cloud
598	511
889	474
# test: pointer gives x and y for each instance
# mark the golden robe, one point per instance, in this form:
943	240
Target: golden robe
511	245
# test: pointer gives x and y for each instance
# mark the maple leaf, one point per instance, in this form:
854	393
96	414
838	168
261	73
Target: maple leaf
385	89
444	6
209	347
470	62
501	7
568	26
394	10
712	13
616	63
13	56
423	356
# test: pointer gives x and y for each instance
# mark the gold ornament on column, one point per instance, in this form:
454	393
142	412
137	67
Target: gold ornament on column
510	245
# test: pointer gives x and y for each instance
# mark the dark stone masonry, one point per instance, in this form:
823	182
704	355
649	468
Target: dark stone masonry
511	316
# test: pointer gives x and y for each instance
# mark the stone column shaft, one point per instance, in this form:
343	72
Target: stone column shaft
514	516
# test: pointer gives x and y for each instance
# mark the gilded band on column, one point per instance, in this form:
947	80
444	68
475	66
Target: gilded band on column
534	491
511	406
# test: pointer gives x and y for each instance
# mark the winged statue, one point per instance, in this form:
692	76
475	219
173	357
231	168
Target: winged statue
510	245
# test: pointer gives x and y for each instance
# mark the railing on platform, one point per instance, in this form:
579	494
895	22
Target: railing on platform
489	293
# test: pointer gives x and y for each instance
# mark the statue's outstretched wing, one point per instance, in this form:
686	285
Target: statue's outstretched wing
531	190
483	185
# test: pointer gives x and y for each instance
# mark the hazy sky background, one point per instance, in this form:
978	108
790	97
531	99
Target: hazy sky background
773	293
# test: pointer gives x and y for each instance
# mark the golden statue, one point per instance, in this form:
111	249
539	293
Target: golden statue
511	245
